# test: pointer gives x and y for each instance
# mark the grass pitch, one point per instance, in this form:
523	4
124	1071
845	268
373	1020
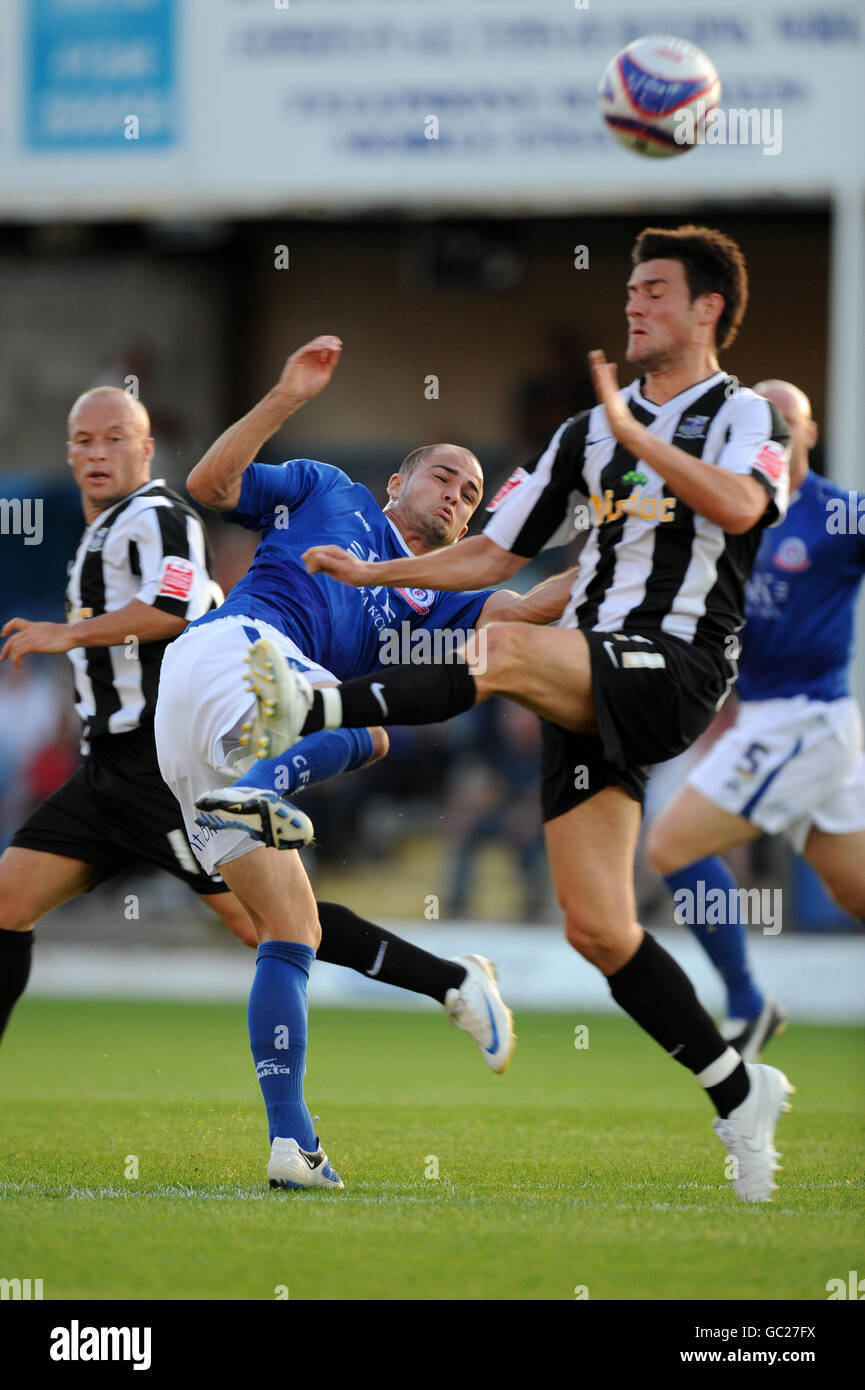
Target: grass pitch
592	1168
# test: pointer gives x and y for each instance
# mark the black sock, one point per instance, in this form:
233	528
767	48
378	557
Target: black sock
16	950
658	995
349	940
398	695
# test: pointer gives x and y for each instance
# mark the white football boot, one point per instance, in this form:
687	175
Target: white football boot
748	1132
291	1166
478	1008
264	815
283	699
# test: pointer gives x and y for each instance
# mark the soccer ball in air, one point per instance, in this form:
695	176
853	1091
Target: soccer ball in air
656	94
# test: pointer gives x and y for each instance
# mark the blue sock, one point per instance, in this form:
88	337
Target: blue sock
277	1036
313	759
725	943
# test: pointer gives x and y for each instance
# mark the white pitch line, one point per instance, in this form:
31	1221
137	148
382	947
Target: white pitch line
356	1196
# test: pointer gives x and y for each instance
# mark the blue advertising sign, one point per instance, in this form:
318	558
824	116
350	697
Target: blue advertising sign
101	75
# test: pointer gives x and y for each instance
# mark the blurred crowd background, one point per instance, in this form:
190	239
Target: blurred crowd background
193	303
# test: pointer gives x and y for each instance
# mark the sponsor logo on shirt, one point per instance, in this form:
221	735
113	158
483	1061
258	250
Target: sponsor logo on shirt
608	508
363	521
376	600
771	460
97	540
765	596
421	600
692	427
792	554
518	476
178	577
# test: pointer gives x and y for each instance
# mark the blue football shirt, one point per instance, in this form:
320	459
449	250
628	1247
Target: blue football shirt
302	503
800	598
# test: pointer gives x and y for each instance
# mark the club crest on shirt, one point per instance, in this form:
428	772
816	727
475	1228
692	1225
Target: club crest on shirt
792	554
421	600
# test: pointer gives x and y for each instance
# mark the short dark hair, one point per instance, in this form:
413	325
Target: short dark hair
713	264
411	461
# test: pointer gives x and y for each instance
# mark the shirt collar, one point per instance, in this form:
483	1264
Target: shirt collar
100	519
682	399
399	535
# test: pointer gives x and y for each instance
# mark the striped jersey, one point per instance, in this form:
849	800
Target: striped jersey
650	562
149	546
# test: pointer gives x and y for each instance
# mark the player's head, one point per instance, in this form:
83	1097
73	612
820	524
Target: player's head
687	292
795	406
434	493
109	446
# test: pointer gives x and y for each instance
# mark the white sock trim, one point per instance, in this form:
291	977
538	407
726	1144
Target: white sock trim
719	1070
332	704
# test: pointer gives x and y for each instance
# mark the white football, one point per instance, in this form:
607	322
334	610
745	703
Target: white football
656	94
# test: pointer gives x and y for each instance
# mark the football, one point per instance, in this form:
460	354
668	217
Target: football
656	94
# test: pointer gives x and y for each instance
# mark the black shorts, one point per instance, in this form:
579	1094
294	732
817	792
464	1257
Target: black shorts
116	811
654	695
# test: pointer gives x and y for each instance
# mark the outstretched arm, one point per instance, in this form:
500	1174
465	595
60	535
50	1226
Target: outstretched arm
472	564
216	479
735	502
134	619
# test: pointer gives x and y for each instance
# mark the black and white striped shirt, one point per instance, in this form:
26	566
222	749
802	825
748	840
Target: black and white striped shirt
650	561
150	546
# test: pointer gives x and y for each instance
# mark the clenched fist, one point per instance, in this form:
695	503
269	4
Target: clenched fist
339	564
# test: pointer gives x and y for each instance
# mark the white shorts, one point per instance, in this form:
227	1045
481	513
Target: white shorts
201	705
788	765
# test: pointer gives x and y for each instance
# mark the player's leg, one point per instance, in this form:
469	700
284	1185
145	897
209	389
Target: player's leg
833	840
839	859
275	891
546	669
200	705
361	945
786	766
203	672
691	827
592	822
31	884
233	914
317	758
684	845
591	851
257	800
63	848
466	986
190	755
